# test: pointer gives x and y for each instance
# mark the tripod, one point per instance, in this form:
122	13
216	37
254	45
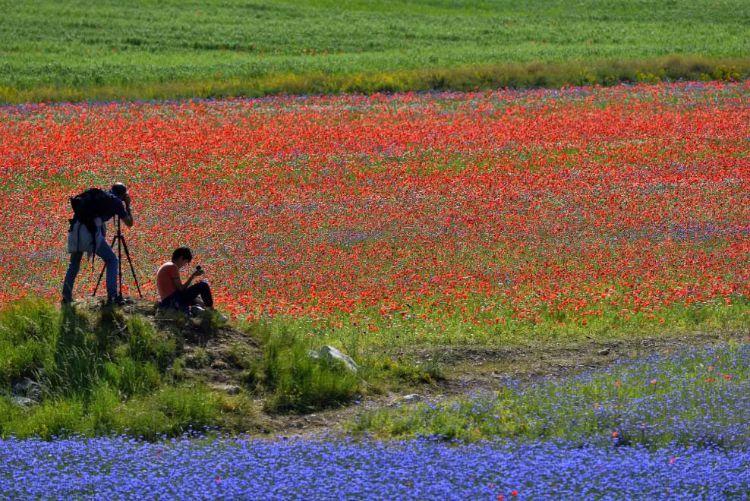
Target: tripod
121	244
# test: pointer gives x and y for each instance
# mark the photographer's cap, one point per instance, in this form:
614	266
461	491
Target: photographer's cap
119	189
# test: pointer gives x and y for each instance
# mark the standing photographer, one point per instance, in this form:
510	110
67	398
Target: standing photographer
87	233
173	293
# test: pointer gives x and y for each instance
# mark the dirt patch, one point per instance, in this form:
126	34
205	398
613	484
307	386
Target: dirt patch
531	363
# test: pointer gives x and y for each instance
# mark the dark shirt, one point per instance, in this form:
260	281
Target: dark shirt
112	207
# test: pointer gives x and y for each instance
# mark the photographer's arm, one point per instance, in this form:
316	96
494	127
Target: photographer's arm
128	219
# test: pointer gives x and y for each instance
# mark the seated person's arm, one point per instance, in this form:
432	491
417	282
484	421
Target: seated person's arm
178	283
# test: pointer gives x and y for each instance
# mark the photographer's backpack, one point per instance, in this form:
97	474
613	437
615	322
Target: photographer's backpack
89	205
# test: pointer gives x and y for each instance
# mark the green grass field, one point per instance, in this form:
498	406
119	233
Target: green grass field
68	50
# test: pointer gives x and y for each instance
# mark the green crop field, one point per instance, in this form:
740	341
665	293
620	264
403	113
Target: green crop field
70	50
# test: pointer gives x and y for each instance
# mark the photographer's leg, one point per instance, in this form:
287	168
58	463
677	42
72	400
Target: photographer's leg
74	266
104	251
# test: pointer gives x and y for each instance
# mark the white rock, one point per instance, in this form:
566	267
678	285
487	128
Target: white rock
411	398
331	353
229	389
22	401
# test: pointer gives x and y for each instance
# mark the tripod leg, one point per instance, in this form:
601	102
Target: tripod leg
119	258
99	280
132	269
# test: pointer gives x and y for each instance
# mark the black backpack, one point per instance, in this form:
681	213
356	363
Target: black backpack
89	205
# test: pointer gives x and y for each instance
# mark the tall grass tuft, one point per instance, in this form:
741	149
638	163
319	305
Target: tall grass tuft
146	344
78	356
296	381
28	333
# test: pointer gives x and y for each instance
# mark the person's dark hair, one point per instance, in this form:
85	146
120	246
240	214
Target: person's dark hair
119	190
183	252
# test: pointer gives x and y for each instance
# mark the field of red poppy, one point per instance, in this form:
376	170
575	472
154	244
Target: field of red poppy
450	216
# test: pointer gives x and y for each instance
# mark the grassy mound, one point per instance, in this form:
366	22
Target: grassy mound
110	50
93	370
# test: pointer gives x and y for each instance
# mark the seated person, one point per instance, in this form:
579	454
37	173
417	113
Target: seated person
173	293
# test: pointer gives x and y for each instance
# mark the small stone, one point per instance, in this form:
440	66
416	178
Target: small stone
219	365
28	388
412	398
604	352
229	389
197	360
22	401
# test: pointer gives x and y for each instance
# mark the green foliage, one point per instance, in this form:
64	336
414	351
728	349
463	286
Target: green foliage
296	381
102	410
99	371
28	333
240	355
104	372
423	327
77	356
188	406
199	358
52	419
147	345
71	50
170	411
177	371
131	377
403	372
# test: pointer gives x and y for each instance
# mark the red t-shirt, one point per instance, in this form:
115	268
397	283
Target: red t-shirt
165	279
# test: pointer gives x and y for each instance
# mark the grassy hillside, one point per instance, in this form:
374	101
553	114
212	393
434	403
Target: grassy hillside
98	50
88	370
